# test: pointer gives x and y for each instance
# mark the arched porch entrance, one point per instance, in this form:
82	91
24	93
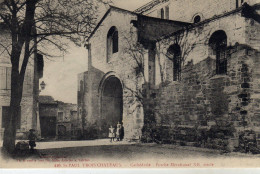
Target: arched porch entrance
111	104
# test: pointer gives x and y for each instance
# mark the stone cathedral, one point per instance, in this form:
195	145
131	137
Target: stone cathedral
194	63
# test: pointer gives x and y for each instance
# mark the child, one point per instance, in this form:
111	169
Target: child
32	137
111	133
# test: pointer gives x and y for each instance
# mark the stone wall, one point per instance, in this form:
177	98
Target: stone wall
255	86
201	93
251	67
203	100
27	109
26	115
252	33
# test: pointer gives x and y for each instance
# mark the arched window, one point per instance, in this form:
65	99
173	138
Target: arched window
167	11
196	19
162	13
174	53
218	46
112	42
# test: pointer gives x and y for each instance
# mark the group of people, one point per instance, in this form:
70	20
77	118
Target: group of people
117	133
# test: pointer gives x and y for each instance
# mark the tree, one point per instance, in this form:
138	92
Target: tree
137	52
40	22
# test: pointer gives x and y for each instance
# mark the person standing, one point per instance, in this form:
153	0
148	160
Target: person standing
121	133
118	131
32	138
111	133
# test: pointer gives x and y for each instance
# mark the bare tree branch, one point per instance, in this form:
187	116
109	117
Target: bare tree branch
6	2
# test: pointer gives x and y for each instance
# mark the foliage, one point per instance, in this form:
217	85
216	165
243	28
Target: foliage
179	38
247	142
219	102
91	132
221	131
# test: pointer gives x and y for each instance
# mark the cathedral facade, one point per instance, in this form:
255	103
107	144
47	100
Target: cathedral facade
174	71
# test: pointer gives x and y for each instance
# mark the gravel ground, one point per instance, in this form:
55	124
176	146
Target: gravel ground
137	155
140	155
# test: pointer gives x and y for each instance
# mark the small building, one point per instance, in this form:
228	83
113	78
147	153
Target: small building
58	120
48	109
67	121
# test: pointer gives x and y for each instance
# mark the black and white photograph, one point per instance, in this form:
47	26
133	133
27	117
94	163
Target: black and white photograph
89	84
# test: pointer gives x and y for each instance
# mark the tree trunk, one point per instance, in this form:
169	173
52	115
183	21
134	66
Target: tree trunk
10	130
16	96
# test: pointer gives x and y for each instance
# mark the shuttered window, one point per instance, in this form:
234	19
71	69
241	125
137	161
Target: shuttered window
5	78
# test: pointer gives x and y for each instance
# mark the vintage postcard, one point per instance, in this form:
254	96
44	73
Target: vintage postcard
90	84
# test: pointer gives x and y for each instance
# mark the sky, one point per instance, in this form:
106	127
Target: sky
60	74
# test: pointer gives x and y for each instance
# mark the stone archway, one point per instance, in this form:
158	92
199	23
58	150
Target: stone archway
111	104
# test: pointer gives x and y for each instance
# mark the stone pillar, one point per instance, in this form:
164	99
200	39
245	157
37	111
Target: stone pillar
89	84
38	124
146	66
36	92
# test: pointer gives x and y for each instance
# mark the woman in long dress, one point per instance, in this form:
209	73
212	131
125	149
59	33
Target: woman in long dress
118	131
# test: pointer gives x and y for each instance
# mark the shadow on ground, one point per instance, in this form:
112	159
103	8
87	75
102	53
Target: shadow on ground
22	154
130	152
135	152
